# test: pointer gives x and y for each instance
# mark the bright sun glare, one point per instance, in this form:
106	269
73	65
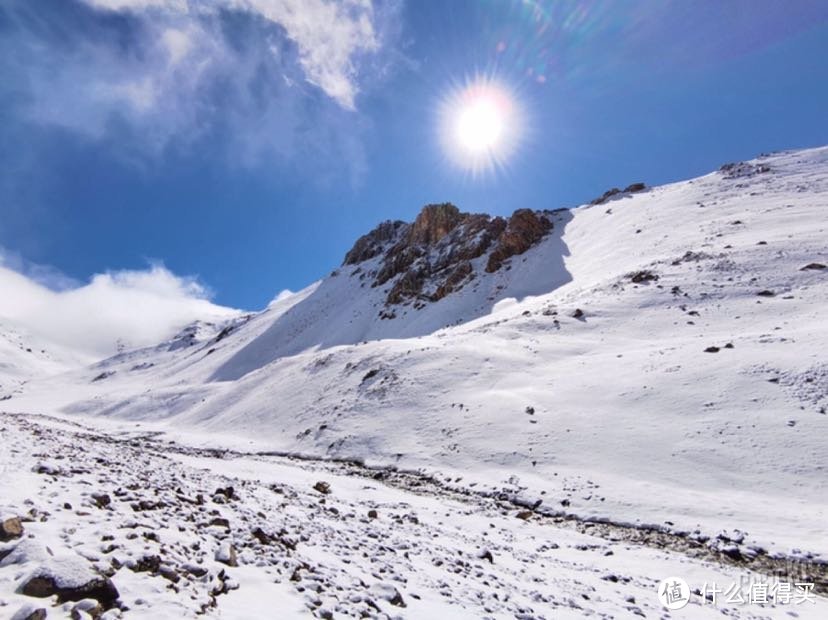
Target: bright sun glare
480	126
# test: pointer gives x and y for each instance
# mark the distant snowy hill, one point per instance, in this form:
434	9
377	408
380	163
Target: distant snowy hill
657	356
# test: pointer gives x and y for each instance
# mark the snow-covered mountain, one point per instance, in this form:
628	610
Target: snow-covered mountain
654	358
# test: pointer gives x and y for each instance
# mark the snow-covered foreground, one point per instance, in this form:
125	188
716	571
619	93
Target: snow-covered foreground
655	364
182	532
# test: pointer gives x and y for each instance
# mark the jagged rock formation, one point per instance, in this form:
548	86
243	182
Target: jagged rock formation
436	254
632	188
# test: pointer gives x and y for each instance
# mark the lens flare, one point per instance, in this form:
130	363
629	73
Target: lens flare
480	126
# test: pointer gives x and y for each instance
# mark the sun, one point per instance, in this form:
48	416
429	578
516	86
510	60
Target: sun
480	126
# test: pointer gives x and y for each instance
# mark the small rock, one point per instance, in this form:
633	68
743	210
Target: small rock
30	612
524	515
766	293
372	514
578	314
322	487
169	574
102	500
226	554
147	564
262	536
87	608
711	350
195	570
814	266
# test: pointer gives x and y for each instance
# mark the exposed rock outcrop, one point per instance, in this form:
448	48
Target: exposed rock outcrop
435	255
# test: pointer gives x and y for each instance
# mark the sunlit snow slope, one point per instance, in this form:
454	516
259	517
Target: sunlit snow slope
691	388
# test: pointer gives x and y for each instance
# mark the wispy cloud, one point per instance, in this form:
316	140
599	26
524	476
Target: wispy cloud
134	308
260	77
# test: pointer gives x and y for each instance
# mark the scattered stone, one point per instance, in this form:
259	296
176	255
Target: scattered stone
220	522
195	570
486	555
87	608
262	536
525	515
168	573
530	410
102	500
372	514
322	487
578	314
712	350
813	266
766	293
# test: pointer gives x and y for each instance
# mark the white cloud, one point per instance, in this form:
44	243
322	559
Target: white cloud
254	81
138	308
330	34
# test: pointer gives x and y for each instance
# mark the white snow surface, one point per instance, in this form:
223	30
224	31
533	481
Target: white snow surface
620	415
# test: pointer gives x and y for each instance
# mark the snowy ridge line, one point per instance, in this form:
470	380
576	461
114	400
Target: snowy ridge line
720	549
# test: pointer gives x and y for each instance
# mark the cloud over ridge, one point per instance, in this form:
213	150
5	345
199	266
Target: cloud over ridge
130	307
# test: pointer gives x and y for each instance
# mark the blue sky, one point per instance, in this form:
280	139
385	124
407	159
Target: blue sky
249	142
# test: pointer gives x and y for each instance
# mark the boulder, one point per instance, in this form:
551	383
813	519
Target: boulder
10	529
43	584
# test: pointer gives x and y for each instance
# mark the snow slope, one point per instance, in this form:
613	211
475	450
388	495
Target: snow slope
624	413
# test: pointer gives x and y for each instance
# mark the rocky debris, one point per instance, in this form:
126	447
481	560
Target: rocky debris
10	529
577	314
643	276
712	350
432	257
524	515
104	375
192	570
632	188
813	266
739	170
766	293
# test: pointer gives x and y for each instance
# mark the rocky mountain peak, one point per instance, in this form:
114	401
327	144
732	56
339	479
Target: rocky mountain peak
434	222
438	253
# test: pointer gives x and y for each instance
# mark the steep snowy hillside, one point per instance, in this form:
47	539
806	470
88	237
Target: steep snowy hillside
654	360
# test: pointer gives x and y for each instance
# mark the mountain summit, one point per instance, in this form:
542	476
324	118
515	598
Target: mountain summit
437	254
